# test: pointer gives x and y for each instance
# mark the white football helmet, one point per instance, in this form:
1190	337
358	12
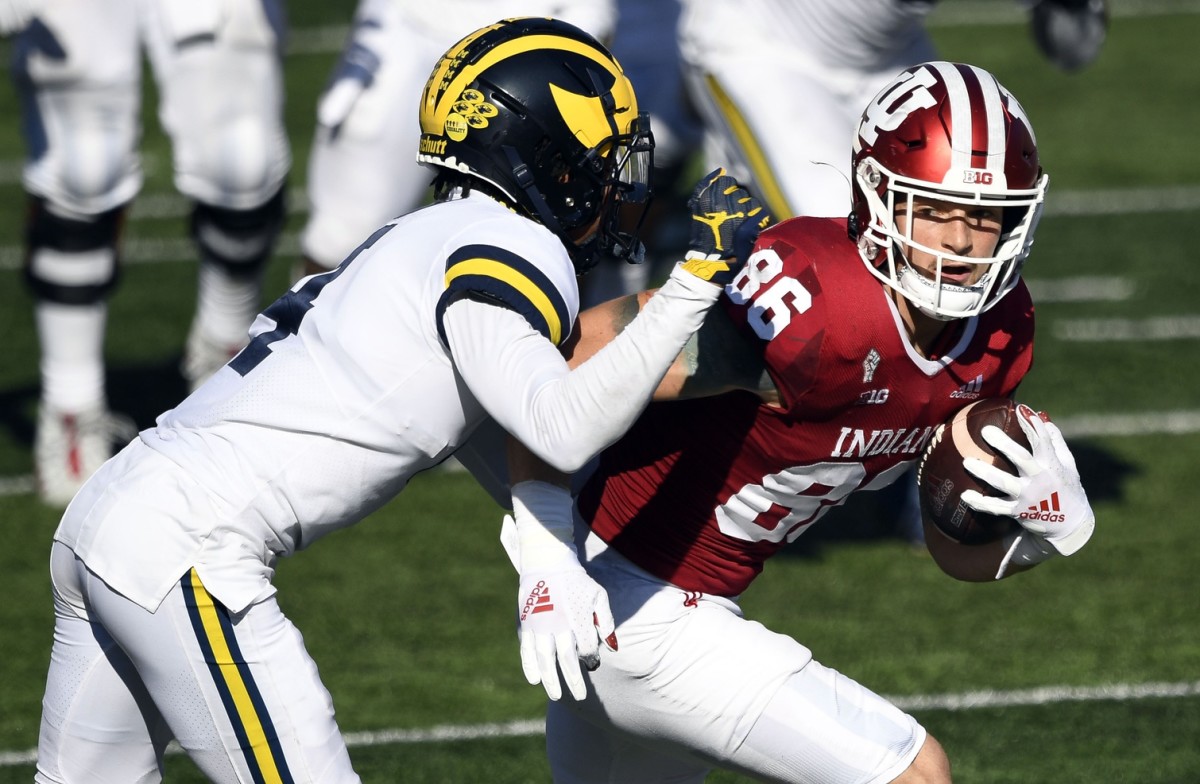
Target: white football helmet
952	132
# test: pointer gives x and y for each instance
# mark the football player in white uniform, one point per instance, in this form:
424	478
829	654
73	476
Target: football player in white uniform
850	341
166	622
780	84
355	183
78	70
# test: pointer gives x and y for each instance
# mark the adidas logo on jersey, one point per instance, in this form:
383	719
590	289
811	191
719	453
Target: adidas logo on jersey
970	390
538	600
1047	511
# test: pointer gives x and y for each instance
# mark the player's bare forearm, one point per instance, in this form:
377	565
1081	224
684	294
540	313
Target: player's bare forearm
716	359
599	324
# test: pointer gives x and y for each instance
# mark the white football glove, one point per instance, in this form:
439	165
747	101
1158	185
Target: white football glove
1045	496
562	613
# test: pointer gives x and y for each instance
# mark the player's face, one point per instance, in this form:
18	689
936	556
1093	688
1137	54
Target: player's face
949	227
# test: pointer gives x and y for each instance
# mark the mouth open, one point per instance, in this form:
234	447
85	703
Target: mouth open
953	272
957	274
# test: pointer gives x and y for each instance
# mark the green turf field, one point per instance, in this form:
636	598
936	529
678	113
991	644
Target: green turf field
1085	670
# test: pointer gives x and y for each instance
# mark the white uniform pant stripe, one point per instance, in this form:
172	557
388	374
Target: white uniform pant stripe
239	693
124	681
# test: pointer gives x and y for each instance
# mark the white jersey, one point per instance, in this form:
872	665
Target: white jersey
331	409
359	378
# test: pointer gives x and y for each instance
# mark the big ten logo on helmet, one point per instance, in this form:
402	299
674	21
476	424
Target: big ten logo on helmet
976	177
888	110
470	111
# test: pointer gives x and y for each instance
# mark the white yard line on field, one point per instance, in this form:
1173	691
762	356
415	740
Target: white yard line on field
1145	423
1045	695
16	485
1081	288
329	39
1107	330
972	13
164	205
1118	692
1169	423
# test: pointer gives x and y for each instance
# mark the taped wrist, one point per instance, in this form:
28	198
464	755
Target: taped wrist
683	284
545	522
1025	549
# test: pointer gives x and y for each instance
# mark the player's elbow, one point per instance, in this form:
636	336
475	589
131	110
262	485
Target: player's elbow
565	446
560	454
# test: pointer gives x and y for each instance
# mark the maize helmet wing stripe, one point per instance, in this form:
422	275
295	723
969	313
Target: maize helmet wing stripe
455	76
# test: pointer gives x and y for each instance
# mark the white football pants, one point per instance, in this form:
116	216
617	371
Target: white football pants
239	692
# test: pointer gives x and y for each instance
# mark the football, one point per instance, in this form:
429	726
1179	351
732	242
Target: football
941	478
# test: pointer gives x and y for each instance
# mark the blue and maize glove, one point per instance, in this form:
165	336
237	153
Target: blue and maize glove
726	220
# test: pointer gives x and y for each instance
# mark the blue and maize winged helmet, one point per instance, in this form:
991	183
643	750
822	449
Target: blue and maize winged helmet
541	110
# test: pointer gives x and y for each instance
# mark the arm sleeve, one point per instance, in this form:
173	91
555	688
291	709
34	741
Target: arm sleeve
563	416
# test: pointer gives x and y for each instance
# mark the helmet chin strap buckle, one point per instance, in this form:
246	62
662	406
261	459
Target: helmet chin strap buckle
520	170
524	179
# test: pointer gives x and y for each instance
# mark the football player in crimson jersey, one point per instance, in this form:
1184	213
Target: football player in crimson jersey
840	348
780	85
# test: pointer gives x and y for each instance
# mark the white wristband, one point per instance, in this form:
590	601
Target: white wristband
1025	549
544	517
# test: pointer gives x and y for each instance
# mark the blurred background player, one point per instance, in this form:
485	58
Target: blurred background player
356	182
78	70
780	86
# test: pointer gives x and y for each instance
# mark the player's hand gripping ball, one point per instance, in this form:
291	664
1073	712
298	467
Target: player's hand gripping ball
941	478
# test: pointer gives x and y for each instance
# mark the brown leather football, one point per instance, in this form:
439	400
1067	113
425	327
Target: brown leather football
941	478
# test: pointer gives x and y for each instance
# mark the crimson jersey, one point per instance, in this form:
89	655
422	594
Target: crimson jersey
701	492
